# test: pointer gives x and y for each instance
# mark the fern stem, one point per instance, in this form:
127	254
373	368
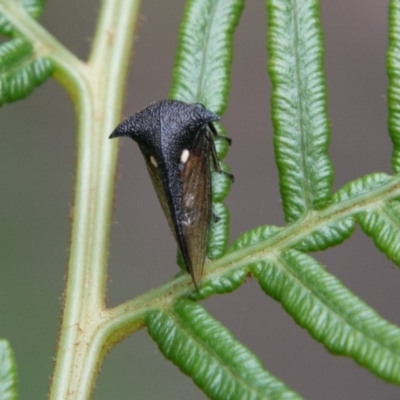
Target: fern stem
99	95
130	314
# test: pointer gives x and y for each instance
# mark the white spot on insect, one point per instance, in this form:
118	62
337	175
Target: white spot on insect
185	156
189	217
188	201
153	161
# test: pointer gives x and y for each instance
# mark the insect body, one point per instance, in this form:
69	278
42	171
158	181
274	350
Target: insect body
176	140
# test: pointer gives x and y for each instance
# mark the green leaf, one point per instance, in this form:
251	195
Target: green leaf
220	284
360	187
325	236
221	184
33	7
207	352
204	56
180	261
335	232
221	145
331	313
219	232
8	372
299	105
228	282
383	225
20	70
322	237
393	72
254	236
201	75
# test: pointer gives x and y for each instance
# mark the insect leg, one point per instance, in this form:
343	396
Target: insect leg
214	157
217	135
216	217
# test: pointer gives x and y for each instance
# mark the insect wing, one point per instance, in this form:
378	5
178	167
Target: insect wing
196	205
158	186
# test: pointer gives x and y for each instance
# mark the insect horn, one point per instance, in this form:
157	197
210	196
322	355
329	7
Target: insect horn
123	129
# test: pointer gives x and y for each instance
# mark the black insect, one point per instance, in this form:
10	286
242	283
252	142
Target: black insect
176	140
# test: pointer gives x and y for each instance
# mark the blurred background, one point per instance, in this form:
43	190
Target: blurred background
37	157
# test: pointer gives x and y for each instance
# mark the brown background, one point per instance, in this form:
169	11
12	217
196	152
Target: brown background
37	171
